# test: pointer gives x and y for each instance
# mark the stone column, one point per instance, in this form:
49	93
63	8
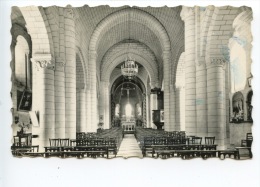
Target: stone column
104	103
216	100
188	16
93	90
144	111
88	113
168	124
153	106
70	73
59	98
201	99
43	97
173	106
60	81
201	80
148	108
81	110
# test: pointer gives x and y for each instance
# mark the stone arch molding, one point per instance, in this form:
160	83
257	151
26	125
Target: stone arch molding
241	25
84	65
135	15
117	73
139	52
120	58
39	30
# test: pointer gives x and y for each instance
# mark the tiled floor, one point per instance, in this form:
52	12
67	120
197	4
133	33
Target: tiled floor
129	147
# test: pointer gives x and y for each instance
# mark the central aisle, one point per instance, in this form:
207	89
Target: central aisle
129	147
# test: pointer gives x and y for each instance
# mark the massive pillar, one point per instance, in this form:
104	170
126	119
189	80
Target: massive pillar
201	80
93	91
168	124
104	104
153	106
144	111
216	100
81	110
59	98
70	73
173	117
188	17
60	80
43	96
148	108
88	107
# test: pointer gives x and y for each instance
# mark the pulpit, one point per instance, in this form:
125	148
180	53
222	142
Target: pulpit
158	118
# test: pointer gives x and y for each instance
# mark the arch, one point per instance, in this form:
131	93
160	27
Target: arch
179	58
22	61
180	71
80	59
137	81
238	107
17	31
41	30
242	24
80	93
119	59
217	48
133	45
139	51
135	15
117	73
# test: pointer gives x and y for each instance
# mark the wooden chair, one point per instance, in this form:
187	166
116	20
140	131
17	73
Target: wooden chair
65	142
196	140
54	142
73	142
209	140
248	141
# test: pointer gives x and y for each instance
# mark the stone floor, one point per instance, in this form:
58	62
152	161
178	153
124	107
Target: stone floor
129	147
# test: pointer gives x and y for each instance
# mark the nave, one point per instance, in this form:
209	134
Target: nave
143	142
86	78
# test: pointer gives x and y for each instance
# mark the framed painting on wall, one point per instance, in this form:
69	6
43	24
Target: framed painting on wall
25	102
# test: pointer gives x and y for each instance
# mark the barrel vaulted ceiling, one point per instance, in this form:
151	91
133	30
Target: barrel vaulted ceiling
129	28
132	27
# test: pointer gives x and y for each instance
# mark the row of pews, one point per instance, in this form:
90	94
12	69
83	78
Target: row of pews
176	144
101	144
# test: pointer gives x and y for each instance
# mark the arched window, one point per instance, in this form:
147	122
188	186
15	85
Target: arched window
238	107
117	110
238	68
128	110
249	106
22	63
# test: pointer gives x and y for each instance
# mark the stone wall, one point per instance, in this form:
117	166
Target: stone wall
238	132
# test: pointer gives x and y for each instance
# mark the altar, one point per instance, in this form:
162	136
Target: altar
128	124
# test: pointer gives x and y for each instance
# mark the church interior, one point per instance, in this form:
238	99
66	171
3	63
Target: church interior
131	82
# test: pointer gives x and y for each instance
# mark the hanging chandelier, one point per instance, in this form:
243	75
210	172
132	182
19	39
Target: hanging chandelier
129	69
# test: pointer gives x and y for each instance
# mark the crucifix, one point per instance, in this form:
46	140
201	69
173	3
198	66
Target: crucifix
128	91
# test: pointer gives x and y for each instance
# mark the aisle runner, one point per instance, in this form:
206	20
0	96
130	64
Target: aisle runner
129	147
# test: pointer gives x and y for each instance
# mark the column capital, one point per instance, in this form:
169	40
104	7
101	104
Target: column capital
216	62
187	12
43	61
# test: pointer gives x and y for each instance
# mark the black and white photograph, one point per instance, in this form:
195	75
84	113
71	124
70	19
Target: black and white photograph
191	66
164	84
